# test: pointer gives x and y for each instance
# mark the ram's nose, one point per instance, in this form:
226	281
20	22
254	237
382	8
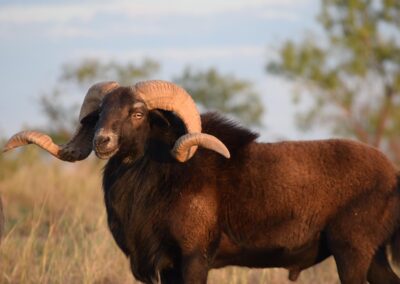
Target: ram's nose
105	143
101	141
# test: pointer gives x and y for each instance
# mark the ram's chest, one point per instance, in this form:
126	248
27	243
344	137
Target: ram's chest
135	217
136	225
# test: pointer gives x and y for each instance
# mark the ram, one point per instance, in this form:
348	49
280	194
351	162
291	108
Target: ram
186	193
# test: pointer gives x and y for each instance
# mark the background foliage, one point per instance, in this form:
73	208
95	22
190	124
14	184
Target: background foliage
210	89
350	71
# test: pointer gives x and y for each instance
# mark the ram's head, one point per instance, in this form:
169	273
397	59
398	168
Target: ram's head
114	117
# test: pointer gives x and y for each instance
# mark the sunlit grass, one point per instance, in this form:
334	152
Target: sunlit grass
56	229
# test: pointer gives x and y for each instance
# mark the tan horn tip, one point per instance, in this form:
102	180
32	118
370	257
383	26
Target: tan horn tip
225	152
221	149
7	148
15	142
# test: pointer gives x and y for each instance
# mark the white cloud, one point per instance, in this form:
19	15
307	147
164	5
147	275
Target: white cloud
278	15
44	13
25	14
183	54
99	19
78	31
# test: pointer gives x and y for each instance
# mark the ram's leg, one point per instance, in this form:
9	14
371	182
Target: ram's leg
355	234
194	226
352	264
195	269
380	271
352	248
171	276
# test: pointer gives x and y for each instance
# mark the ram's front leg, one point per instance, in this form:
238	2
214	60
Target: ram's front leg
195	268
195	229
188	268
191	269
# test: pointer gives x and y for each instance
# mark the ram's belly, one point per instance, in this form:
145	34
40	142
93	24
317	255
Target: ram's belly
273	232
273	220
304	256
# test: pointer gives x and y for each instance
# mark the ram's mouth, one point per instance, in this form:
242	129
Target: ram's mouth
105	154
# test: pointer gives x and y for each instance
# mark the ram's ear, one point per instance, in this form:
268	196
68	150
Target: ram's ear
91	118
159	118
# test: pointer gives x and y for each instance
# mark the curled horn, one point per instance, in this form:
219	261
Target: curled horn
171	97
185	142
80	145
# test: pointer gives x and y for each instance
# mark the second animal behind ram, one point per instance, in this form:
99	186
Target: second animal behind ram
177	211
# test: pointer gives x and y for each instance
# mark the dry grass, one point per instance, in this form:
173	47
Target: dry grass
56	229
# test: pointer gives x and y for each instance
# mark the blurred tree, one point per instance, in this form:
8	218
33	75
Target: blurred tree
61	116
351	73
225	93
91	70
210	89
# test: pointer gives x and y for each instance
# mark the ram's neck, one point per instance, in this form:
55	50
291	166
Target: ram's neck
135	195
133	189
136	178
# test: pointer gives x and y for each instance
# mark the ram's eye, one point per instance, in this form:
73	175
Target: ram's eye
137	115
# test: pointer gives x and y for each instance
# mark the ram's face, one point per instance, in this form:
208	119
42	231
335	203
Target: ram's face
122	125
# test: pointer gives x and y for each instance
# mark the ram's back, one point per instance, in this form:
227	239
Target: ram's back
336	166
291	190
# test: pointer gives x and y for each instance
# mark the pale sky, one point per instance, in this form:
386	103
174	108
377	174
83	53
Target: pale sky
235	36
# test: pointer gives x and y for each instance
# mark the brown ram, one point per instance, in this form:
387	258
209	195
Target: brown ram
176	213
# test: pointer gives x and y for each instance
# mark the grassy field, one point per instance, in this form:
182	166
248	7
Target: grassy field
56	229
